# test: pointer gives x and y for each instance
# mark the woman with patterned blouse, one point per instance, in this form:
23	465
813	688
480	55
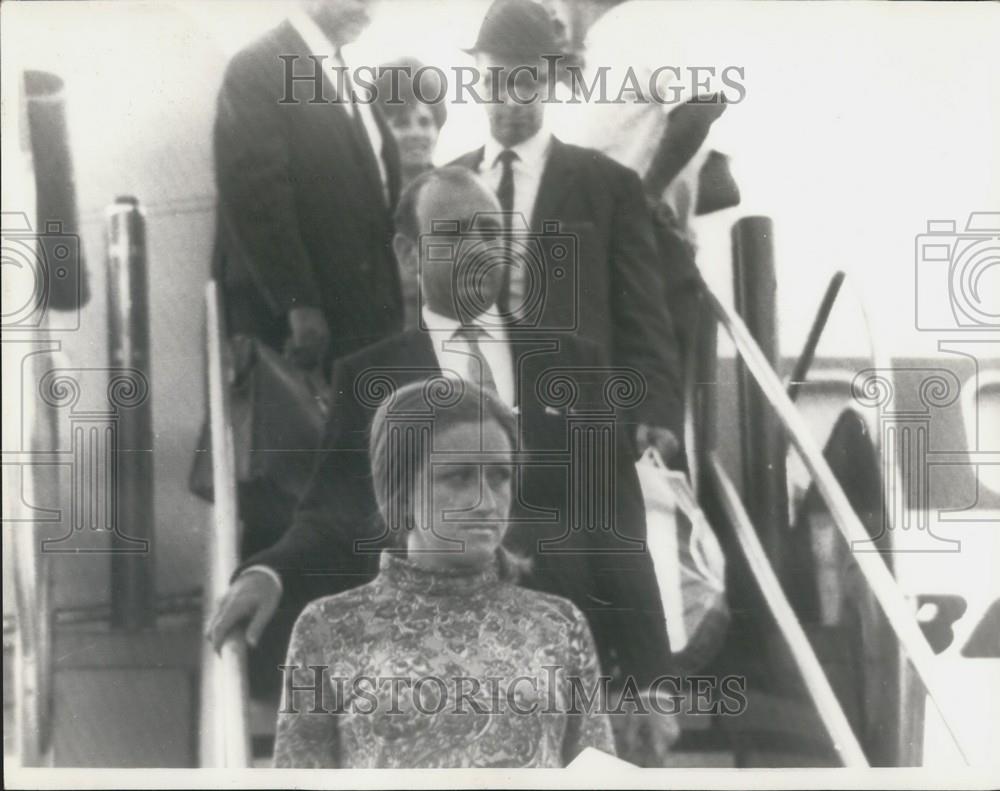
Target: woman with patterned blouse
442	660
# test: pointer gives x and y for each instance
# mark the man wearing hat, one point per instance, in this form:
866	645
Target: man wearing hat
612	296
615	298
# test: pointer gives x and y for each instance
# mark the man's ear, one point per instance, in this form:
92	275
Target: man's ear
403	247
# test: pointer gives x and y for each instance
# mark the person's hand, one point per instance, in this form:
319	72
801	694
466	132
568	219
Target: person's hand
253	596
657	437
310	335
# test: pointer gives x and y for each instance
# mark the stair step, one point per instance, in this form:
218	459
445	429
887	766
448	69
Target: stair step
714	759
126	699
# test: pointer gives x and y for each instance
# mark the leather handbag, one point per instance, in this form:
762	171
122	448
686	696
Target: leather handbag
278	411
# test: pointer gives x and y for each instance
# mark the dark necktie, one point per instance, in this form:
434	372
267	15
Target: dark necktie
362	141
388	156
505	194
472	336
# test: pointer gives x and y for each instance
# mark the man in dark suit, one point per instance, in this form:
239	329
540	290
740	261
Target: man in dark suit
585	535
307	181
615	296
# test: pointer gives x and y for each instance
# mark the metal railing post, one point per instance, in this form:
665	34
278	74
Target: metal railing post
129	468
763	445
225	738
898	613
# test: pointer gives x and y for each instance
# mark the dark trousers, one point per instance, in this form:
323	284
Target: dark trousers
266	512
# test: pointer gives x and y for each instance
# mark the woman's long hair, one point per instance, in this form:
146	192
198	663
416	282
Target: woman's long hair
400	445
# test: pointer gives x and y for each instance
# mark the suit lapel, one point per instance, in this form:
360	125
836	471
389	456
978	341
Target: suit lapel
295	44
558	179
530	356
473	160
417	351
342	122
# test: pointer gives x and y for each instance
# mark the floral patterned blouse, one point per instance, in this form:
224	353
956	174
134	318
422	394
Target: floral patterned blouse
423	668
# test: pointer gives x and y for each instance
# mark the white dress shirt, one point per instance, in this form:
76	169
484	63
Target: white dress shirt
455	357
527	170
532	155
319	45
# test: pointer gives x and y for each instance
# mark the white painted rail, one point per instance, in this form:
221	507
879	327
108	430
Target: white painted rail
225	736
828	707
898	613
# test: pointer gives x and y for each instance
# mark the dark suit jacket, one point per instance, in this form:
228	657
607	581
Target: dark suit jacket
619	283
302	218
607	573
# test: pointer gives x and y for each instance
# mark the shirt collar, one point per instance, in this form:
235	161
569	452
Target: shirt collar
317	42
435	322
398	572
531	153
311	33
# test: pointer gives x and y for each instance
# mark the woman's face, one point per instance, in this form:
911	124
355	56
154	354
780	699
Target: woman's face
470	496
416	133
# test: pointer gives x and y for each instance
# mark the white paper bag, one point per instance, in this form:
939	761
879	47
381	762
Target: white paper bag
689	564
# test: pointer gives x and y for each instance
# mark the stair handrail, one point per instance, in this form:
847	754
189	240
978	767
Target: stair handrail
838	728
30	569
899	615
225	735
32	648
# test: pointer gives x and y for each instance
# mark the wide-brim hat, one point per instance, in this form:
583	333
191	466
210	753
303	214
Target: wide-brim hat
521	29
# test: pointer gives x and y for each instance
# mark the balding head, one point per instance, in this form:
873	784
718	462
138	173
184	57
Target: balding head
451	198
451	179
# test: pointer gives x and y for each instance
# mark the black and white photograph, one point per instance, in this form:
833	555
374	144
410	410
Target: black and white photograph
426	393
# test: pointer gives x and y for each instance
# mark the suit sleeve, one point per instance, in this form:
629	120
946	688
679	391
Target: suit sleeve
320	555
633	619
681	277
255	187
628	610
644	337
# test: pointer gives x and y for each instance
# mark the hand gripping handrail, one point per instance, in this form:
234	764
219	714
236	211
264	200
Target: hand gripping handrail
884	587
225	733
